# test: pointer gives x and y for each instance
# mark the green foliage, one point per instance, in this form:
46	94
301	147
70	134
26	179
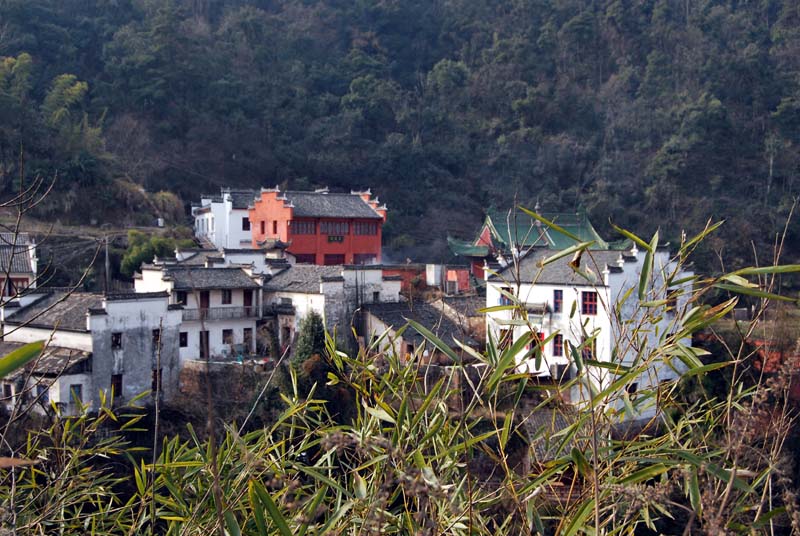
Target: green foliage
142	248
19	358
310	339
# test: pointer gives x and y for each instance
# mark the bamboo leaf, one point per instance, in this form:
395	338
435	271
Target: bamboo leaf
564	252
433	339
550	224
20	357
266	500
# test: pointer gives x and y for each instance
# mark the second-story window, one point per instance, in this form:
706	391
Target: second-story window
588	302
365	228
116	341
558	300
558	345
301	227
227	297
338	228
263	227
245	224
180	297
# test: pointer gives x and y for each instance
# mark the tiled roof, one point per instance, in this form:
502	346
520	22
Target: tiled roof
396	315
53	361
58	310
466	305
517	227
322	205
240	199
19	239
199	257
559	272
15	259
304	278
201	278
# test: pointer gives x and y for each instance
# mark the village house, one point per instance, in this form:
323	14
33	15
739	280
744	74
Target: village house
220	306
18	264
222	220
320	227
121	343
337	293
591	311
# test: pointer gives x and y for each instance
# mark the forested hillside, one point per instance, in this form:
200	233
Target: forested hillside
648	112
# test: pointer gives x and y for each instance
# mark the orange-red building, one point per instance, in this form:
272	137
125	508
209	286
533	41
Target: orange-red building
320	227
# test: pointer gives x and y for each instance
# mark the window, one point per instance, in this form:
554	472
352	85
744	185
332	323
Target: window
227	336
245	224
303	227
180	297
505	339
334	259
365	228
227	297
558	300
334	227
248	338
504	299
116	385
156	339
305	258
588	302
155	381
204	347
376	296
588	349
43	393
76	393
8	390
183	339
116	341
558	345
263	227
536	343
275	227
409	349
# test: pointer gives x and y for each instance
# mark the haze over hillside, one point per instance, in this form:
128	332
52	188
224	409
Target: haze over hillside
653	113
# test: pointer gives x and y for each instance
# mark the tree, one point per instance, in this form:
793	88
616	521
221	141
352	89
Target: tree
310	339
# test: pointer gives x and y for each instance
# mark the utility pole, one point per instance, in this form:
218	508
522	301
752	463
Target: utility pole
108	264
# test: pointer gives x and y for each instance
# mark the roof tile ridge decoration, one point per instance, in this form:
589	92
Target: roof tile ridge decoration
123	296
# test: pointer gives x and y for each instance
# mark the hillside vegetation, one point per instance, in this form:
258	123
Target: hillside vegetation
651	113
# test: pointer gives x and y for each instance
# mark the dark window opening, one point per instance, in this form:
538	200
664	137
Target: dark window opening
300	227
156	339
116	341
558	345
8	390
204	348
305	258
155	381
76	393
245	224
376	296
263	227
227	336
43	393
589	303
116	385
558	300
180	297
275	227
183	339
248	338
227	297
331	259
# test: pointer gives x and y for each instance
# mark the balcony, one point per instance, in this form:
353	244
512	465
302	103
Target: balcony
220	313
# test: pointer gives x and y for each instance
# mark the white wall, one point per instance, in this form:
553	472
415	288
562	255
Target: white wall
67	339
216	345
303	304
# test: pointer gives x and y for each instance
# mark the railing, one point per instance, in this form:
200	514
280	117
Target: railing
220	313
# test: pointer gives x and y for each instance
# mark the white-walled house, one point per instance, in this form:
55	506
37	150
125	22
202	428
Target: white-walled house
223	219
597	314
220	306
335	292
125	343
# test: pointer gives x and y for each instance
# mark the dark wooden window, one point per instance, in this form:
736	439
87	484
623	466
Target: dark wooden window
227	336
588	302
76	393
8	390
338	228
180	297
275	227
227	297
116	341
245	224
263	227
116	384
305	258
558	300
558	345
365	228
204	347
183	339
303	227
331	259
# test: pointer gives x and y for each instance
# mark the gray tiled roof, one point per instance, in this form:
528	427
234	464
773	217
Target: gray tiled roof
466	305
240	199
53	361
200	278
199	257
321	205
15	259
397	315
559	272
303	278
58	310
19	239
